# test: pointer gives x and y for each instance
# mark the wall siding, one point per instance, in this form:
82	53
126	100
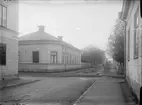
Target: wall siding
134	66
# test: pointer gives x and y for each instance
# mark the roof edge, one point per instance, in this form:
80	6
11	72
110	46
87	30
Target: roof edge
125	9
23	42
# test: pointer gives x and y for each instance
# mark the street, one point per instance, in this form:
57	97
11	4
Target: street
70	52
48	90
68	90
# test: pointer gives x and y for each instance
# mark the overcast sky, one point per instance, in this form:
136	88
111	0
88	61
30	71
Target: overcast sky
79	24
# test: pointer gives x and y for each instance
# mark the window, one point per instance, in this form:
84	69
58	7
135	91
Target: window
136	25
75	60
53	57
0	14
19	55
70	59
64	49
128	45
35	56
63	59
2	54
3	16
67	59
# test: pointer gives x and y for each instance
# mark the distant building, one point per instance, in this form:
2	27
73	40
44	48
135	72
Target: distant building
133	43
42	51
8	39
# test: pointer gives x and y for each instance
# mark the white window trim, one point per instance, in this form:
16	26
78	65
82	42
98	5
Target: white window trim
1	19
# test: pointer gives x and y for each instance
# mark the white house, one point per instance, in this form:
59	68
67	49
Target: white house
8	39
41	51
133	39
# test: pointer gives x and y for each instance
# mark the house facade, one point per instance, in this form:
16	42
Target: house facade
42	51
133	43
8	39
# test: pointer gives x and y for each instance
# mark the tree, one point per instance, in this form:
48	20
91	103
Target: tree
93	55
116	43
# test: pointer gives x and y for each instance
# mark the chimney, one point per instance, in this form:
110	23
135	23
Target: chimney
60	38
41	28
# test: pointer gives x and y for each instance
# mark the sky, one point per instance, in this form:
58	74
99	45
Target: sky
80	24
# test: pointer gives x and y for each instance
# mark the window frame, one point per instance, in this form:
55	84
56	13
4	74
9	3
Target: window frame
1	14
2	18
129	41
136	26
53	61
70	58
63	59
33	58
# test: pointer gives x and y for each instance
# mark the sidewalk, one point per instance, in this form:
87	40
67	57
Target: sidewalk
105	91
112	72
114	75
15	82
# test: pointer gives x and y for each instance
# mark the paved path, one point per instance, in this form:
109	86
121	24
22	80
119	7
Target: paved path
105	91
64	91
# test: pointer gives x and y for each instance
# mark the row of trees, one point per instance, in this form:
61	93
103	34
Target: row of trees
93	55
115	47
116	42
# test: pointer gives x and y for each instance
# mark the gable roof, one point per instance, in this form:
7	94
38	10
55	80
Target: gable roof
39	35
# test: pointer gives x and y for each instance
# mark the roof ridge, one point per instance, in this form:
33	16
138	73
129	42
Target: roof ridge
36	35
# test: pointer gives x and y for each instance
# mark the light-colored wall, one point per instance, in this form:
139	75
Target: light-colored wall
75	56
26	62
9	37
44	52
11	41
74	66
13	15
134	66
11	55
